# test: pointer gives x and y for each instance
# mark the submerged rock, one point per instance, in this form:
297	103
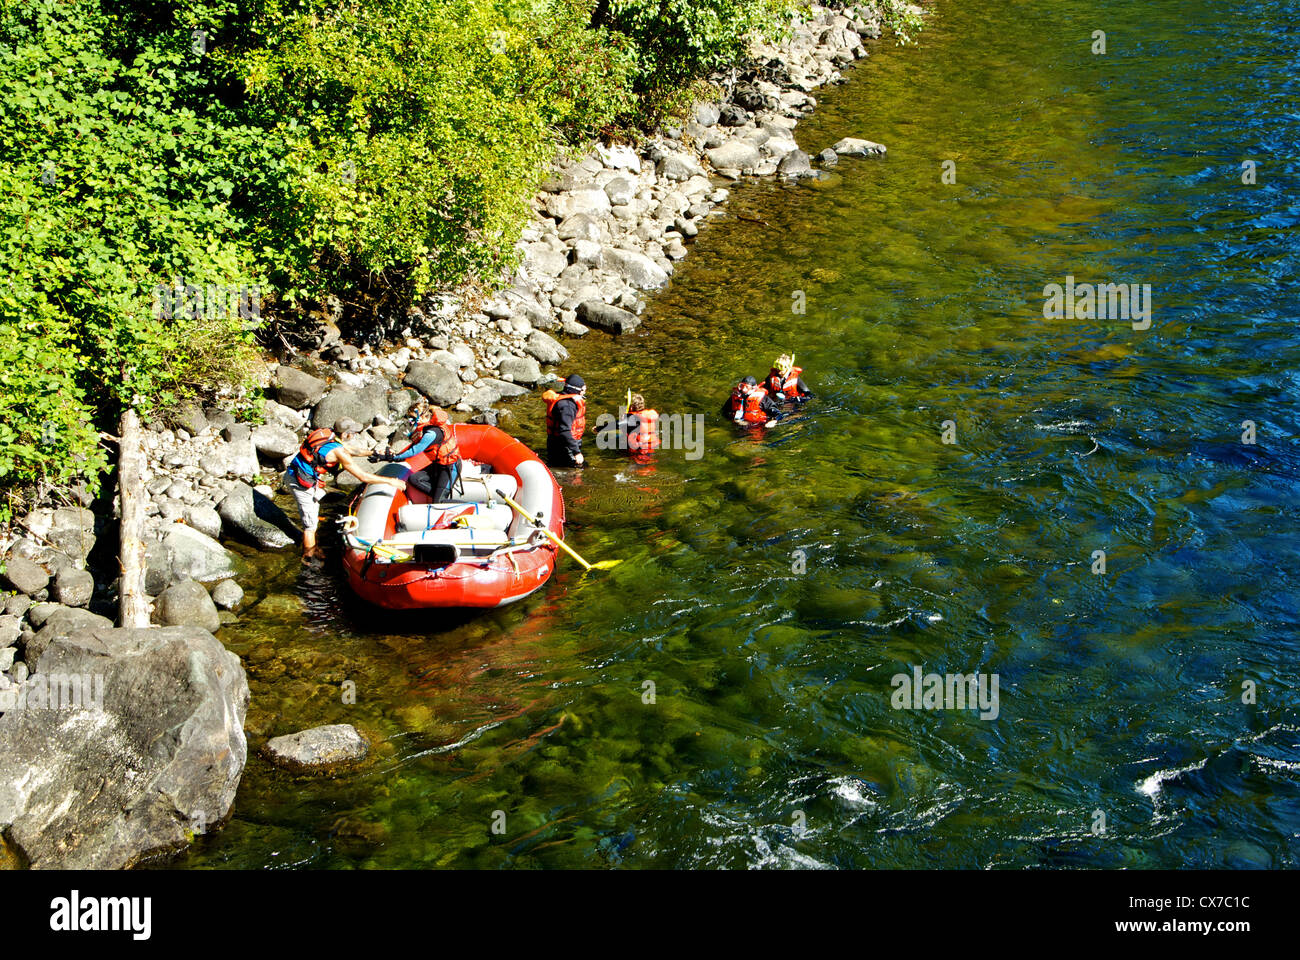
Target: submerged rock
853	147
319	748
144	751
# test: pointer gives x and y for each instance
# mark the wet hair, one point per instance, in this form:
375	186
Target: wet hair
638	403
751	381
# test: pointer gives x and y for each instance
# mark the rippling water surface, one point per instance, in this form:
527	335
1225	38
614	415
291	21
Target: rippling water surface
1120	692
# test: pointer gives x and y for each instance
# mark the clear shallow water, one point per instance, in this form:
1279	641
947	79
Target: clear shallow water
1119	693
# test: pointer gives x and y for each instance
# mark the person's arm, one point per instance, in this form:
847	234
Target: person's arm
769	407
431	436
344	460
630	424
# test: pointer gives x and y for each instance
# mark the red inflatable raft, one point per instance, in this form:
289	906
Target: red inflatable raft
404	553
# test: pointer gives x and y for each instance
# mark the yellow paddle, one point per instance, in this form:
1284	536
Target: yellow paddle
601	565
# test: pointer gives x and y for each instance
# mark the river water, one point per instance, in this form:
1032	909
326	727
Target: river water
772	589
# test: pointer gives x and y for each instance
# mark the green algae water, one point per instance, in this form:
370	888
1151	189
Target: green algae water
772	588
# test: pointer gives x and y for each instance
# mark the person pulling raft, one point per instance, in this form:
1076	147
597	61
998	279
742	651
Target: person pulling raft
434	434
749	403
322	455
785	382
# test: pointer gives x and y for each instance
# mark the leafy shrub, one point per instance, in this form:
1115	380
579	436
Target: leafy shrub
117	172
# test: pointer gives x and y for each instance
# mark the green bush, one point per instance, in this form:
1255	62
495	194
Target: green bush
117	171
679	41
416	132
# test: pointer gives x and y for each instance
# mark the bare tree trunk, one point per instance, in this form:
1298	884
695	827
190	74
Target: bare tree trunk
133	605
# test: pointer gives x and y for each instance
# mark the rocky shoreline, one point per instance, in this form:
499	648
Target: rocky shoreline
606	231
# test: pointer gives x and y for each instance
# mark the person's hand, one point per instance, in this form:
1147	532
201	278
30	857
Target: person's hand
394	483
770	423
577	458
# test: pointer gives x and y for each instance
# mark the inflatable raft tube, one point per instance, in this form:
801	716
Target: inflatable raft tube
404	553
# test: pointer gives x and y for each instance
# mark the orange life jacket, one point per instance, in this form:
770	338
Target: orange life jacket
448	451
785	388
551	398
749	400
646	436
310	466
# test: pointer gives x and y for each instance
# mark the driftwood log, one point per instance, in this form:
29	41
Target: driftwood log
133	602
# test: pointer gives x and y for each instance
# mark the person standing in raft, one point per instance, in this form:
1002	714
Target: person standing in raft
785	381
641	425
749	403
435	435
323	455
566	419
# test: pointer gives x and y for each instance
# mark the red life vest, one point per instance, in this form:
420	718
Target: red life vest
448	451
754	405
551	398
787	387
646	436
738	394
310	466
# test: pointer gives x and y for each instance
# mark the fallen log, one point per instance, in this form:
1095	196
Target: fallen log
133	602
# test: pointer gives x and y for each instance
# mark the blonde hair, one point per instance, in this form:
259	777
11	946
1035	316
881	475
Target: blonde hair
637	404
784	363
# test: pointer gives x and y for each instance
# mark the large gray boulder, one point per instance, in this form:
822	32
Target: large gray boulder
143	752
440	384
360	404
186	604
249	516
73	587
522	370
184	553
678	166
734	155
635	268
490	391
319	748
604	316
296	389
204	519
545	349
23	575
275	441
795	164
